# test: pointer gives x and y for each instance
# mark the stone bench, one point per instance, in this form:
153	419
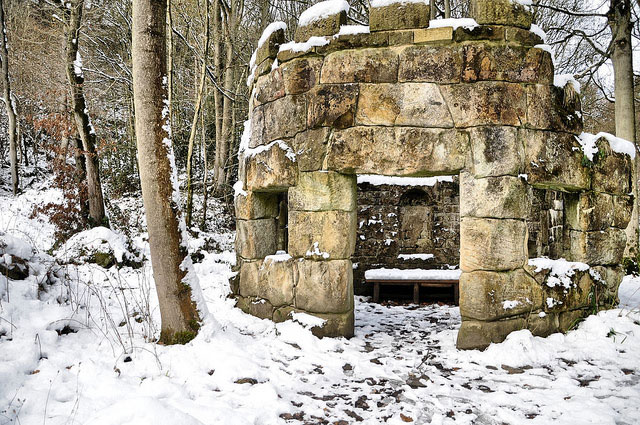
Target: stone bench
416	277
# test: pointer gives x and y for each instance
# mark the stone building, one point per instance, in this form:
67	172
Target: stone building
406	97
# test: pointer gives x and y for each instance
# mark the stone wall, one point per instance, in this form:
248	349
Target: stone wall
407	100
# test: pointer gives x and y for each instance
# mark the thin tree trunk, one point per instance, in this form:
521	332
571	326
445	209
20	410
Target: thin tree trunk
170	64
205	175
447	9
622	59
160	193
9	102
81	173
85	130
196	116
432	11
217	96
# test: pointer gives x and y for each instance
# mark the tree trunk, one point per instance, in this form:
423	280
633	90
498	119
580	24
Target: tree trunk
9	102
432	9
196	116
83	124
217	95
205	175
622	59
160	190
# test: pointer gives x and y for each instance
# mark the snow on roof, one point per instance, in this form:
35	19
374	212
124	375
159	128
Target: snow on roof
467	23
322	10
402	181
270	29
412	274
617	144
382	3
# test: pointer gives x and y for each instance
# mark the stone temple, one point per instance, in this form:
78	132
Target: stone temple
475	105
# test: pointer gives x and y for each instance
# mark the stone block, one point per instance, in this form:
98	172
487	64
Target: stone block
543	326
332	105
300	75
522	36
323	191
284	118
276	280
495	197
411	104
603	247
430	64
554	161
568	320
264	67
354	41
506	63
257	127
497	151
611	170
255	307
477	335
400	151
492	244
398	16
433	35
486	103
256	205
360	66
483	32
310	147
269	49
486	295
610	279
590	211
329	25
324	286
322	234
336	324
548	110
269	87
397	38
271	169
501	12
256	238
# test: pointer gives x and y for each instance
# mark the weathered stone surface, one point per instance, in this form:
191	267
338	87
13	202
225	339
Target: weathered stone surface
336	324
611	170
300	75
329	25
486	295
554	160
256	205
485	103
611	277
547	110
506	63
397	151
284	118
432	35
269	87
288	54
360	66
603	247
477	335
522	36
271	169
255	307
543	325
400	37
398	16
269	48
276	280
324	286
568	320
332	105
492	244
501	12
323	191
322	234
597	211
256	238
264	67
482	32
431	64
497	151
257	127
354	41
496	197
310	147
413	104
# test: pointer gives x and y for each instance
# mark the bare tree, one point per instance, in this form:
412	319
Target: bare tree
160	192
9	101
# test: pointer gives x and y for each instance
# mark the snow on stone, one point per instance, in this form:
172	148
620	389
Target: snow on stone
352	30
312	42
415	256
629	293
77	65
278	257
539	32
412	274
322	10
382	3
617	144
98	239
510	304
289	153
238	189
552	302
562	80
306	320
270	29
315	251
11	245
246	137
547	49
561	270
377	180
467	23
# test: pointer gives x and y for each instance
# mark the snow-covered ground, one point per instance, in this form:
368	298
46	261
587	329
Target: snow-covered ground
76	348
